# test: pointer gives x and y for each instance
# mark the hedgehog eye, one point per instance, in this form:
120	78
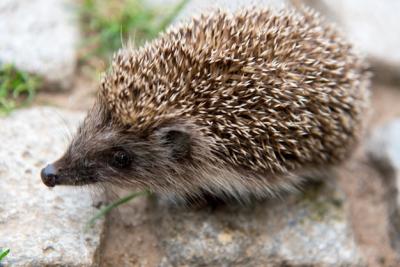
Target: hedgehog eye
121	159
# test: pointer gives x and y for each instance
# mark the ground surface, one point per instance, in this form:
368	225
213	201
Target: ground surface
131	241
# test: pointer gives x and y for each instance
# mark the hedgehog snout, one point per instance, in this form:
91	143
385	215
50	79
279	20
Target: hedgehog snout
49	175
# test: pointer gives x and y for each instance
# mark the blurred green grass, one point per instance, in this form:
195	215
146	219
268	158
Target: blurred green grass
107	25
17	88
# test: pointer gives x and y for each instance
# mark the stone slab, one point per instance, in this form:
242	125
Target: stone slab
40	36
42	227
309	229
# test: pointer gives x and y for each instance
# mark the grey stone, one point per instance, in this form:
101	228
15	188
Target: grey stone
309	229
40	37
371	25
42	227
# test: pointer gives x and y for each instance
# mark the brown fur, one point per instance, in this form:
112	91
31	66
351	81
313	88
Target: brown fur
229	103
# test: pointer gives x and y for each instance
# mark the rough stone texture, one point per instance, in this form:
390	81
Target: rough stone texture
384	149
42	227
304	230
40	36
371	25
195	7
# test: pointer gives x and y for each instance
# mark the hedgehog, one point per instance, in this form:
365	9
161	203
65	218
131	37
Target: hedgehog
227	104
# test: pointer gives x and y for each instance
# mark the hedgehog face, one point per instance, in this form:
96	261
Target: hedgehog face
106	151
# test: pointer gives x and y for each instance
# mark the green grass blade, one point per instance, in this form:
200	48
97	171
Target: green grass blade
103	211
4	253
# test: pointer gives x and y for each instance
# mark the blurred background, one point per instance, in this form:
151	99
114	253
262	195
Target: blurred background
52	54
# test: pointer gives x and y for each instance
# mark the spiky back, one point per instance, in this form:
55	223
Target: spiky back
274	90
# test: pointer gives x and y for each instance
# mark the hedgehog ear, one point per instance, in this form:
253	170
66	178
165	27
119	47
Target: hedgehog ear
178	141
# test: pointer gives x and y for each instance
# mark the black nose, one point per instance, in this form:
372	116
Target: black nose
49	175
